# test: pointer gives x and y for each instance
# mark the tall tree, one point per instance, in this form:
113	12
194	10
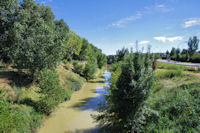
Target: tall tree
73	45
123	110
121	53
8	12
193	45
101	60
178	53
173	52
37	40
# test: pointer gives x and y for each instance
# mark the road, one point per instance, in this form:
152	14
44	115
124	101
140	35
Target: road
179	63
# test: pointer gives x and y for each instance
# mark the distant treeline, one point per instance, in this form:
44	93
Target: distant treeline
185	55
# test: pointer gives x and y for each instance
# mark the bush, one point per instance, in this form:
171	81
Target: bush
78	68
19	119
52	92
75	84
90	70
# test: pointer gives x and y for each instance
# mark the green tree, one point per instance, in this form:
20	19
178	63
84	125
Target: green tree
101	60
123	110
121	53
193	45
78	68
38	40
8	13
167	54
178	54
73	45
90	69
173	52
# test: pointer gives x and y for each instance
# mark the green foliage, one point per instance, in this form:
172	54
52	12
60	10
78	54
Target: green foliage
195	58
8	10
90	69
168	74
85	50
193	45
19	119
123	110
73	45
66	65
35	40
120	54
173	52
101	60
74	83
53	93
78	68
177	110
111	59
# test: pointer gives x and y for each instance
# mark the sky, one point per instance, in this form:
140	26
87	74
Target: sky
113	24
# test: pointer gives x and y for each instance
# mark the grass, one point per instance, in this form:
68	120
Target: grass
169	66
174	100
170	76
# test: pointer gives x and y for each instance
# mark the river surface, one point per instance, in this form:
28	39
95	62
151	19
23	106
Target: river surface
74	116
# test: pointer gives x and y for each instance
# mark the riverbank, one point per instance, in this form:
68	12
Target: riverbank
75	115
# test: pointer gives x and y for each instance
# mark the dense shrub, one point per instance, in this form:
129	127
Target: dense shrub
52	92
75	84
19	119
178	110
90	69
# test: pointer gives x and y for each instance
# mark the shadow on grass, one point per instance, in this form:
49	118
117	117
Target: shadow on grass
19	79
29	102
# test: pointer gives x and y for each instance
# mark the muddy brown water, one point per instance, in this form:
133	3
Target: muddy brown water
74	116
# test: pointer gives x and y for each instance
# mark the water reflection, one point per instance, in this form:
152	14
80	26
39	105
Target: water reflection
92	103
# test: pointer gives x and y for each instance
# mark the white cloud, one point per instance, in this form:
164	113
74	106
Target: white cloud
163	8
122	21
170	39
143	42
160	38
177	38
191	22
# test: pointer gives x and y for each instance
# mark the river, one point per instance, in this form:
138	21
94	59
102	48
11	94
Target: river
74	116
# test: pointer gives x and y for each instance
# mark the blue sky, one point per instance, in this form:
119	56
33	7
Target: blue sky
113	24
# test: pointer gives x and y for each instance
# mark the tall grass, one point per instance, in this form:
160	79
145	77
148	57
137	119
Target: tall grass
168	74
